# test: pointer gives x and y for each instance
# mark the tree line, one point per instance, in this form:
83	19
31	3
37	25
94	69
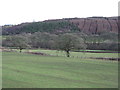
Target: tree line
66	42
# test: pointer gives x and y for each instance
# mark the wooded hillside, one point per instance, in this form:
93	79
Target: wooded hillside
91	25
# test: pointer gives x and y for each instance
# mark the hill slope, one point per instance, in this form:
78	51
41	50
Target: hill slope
91	25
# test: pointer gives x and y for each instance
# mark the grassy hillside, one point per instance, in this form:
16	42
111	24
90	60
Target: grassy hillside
22	70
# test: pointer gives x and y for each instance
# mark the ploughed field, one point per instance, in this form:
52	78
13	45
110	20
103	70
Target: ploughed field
22	70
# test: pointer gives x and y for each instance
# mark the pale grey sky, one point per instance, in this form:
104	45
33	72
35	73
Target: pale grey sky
19	11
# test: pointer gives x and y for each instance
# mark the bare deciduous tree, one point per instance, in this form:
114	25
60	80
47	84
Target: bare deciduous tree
68	42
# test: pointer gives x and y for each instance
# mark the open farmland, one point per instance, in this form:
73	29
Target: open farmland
73	54
21	70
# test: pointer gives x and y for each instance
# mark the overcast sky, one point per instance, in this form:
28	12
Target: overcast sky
19	11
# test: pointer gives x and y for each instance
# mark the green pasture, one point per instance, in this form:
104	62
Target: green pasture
21	70
74	54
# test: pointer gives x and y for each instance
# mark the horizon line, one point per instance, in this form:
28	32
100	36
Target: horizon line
59	19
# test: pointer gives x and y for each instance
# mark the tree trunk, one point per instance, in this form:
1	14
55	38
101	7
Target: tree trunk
68	53
20	50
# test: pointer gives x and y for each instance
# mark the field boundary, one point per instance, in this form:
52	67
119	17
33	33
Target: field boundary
99	51
44	54
101	58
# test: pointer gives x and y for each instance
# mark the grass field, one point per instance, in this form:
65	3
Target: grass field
22	70
73	54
